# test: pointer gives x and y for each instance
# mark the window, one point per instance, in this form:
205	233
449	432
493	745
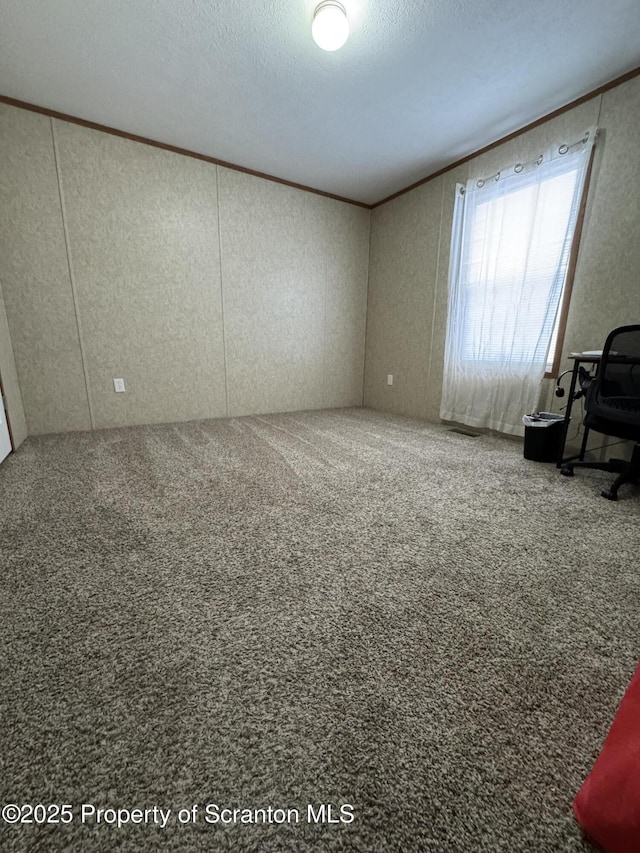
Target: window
512	250
523	235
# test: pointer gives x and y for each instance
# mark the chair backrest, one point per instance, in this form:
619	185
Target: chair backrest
616	393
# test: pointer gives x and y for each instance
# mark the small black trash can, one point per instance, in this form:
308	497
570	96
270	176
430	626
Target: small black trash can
542	436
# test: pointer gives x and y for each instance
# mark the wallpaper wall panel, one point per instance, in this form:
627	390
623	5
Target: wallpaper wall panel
346	255
35	277
274	294
143	241
606	292
402	290
294	282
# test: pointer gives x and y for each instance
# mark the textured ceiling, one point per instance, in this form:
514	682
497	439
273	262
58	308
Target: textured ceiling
417	86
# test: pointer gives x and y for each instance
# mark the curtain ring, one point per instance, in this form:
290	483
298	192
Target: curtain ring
496	177
563	149
480	183
518	168
539	160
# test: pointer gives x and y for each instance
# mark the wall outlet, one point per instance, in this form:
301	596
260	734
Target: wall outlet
118	384
390	379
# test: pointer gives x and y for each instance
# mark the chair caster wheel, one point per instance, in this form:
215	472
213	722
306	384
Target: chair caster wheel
610	496
566	471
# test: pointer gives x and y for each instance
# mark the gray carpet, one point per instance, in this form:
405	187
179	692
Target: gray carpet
336	607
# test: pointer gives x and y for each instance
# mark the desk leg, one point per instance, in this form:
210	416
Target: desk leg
583	446
567	414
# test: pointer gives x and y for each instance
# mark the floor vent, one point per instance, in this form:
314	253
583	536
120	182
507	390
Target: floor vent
466	432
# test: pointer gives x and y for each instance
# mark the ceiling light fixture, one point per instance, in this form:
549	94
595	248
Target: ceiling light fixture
330	28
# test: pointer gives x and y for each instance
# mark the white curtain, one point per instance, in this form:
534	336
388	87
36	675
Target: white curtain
510	249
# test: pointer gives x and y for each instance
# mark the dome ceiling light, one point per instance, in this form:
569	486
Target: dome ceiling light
330	28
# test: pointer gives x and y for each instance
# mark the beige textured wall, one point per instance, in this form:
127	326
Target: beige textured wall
606	292
410	243
295	281
142	229
35	277
112	267
10	382
403	276
346	259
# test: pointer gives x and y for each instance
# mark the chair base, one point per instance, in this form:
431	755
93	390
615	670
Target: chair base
628	471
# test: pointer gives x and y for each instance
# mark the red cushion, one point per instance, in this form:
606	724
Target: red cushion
608	804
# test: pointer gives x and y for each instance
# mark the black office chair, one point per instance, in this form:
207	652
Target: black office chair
612	403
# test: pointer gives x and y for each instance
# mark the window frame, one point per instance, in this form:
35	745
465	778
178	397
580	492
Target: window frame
565	300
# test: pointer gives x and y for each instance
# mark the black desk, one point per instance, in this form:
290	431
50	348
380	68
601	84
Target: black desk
578	359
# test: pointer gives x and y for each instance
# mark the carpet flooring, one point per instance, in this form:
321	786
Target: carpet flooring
422	632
